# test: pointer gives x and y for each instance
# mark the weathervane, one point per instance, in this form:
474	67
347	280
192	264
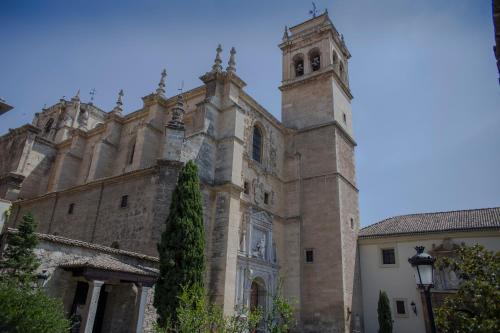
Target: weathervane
314	11
92	94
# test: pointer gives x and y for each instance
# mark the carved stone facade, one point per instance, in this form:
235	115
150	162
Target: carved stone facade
271	189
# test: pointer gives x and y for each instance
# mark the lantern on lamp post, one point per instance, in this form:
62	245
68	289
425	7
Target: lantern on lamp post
423	264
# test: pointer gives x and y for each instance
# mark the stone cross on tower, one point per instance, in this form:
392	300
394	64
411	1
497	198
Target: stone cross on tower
313	11
92	94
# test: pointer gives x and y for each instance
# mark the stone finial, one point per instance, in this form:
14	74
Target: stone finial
285	34
161	86
217	67
77	96
177	113
119	103
231	63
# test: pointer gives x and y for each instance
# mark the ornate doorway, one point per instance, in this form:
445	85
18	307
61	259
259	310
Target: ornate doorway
257	295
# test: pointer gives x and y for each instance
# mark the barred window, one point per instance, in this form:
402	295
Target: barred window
257	145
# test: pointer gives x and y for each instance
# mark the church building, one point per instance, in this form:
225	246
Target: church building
280	200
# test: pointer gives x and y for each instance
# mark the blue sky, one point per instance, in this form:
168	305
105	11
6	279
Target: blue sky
426	94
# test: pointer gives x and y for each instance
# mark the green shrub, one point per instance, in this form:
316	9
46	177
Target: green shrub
27	310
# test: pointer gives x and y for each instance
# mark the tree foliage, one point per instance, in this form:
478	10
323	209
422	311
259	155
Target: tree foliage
196	315
24	309
475	307
20	263
384	313
182	244
280	319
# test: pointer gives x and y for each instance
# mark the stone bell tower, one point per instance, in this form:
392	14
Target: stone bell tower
322	196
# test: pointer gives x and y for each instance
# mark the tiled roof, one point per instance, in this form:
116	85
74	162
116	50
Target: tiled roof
92	246
460	220
108	263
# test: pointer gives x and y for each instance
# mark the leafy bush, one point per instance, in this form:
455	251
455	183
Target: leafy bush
24	308
476	306
27	310
195	315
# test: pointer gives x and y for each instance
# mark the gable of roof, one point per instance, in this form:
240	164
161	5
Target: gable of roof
459	220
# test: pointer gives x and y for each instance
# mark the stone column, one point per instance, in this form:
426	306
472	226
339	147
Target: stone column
142	305
91	306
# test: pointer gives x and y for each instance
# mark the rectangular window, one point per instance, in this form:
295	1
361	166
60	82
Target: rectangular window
388	257
71	208
266	198
310	255
400	307
246	187
124	202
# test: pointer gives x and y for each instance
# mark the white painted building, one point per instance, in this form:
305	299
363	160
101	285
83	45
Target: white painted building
385	247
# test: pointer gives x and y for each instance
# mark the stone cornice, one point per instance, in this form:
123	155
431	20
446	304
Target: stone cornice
23	129
429	235
94	183
331	123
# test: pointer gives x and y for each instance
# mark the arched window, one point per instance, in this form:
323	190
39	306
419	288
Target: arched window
315	59
335	57
298	65
131	153
341	71
257	144
48	125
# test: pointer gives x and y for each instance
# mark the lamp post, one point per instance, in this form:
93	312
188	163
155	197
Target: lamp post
423	264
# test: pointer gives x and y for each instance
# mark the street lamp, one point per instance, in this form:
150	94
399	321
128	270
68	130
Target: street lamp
423	264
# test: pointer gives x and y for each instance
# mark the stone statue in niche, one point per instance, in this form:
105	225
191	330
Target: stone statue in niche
259	248
243	232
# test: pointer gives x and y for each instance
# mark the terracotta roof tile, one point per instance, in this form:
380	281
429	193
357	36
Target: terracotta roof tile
460	220
109	263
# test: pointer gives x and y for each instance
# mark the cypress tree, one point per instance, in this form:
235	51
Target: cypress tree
182	244
20	261
384	313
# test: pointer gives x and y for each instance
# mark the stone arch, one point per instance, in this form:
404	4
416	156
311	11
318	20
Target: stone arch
298	64
48	125
342	70
335	57
315	59
258	142
258	294
131	150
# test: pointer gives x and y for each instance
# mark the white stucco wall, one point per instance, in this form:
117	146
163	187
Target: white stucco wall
398	280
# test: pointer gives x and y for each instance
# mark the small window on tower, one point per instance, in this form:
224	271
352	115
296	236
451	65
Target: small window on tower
309	255
352	223
71	208
124	202
246	187
266	198
345	119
